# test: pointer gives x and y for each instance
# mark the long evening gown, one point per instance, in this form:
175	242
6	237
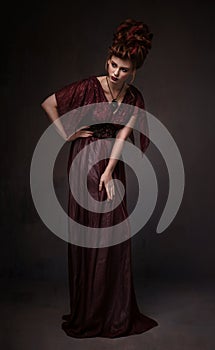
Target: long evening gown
102	296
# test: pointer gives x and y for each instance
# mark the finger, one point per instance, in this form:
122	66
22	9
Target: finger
100	185
113	190
86	134
113	193
109	191
84	127
108	194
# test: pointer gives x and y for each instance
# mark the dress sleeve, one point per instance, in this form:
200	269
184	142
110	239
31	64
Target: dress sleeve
69	99
71	96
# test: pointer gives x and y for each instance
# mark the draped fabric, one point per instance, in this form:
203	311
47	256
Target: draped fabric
89	91
102	296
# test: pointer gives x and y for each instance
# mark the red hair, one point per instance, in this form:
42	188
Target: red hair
132	40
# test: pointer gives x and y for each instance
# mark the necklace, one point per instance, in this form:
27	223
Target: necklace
114	102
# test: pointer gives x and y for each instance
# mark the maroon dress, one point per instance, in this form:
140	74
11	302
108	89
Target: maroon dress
102	296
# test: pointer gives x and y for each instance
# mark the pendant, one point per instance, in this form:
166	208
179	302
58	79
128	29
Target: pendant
114	104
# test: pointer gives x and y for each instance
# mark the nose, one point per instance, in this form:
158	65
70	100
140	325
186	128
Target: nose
116	73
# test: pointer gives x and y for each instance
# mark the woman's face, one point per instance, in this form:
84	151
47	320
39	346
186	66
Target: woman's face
119	70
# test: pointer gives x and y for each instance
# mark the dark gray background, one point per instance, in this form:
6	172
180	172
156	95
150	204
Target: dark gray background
53	44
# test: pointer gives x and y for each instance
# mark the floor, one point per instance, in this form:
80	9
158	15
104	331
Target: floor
31	317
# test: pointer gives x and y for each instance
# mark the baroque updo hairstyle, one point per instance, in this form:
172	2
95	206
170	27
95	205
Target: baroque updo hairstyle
131	40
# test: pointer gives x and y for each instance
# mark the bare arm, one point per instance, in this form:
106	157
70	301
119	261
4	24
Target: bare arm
50	107
106	177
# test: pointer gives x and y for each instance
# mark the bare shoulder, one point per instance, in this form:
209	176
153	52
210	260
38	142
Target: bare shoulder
101	77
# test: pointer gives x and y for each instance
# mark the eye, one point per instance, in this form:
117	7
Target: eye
113	64
124	70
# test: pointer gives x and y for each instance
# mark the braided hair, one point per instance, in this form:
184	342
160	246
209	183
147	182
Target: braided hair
131	40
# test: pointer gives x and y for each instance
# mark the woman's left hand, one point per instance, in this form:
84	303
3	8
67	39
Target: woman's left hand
107	180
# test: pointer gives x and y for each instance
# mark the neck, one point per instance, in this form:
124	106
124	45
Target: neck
115	88
115	93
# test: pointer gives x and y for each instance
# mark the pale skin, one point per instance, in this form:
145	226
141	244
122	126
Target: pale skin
119	72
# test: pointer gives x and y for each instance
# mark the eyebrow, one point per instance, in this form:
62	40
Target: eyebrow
120	67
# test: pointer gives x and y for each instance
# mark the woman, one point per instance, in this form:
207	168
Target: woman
102	297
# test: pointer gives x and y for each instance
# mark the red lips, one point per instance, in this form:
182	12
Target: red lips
113	78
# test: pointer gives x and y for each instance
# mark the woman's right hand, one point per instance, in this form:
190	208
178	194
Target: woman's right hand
80	133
